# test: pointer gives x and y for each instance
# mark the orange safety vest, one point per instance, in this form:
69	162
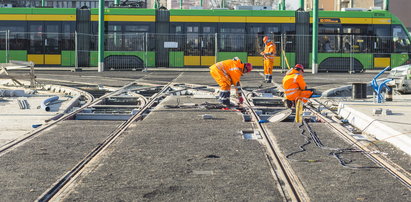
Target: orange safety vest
270	50
231	70
293	83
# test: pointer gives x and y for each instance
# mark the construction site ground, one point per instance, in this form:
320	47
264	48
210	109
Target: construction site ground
176	155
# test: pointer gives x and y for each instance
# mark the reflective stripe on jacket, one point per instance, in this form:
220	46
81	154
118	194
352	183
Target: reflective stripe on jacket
270	51
293	82
232	70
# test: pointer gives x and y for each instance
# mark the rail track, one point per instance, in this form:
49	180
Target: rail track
77	169
392	168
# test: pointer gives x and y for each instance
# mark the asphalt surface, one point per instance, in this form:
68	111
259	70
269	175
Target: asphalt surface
175	155
28	170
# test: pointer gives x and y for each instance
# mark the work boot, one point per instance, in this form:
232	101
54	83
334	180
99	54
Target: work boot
288	103
269	78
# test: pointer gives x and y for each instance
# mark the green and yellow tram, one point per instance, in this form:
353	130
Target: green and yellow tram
198	38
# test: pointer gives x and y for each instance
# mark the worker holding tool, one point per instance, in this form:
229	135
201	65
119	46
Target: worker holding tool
268	54
227	73
295	87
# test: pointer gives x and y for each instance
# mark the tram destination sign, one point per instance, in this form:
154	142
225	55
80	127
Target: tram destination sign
329	20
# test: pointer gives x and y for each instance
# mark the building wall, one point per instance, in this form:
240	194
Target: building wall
401	9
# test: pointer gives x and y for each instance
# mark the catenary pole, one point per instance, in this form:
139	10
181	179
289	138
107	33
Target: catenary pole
283	5
315	38
181	4
386	5
101	36
301	4
116	2
43	3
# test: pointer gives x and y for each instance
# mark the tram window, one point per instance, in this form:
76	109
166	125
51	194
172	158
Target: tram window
114	28
67	40
208	40
382	40
289	30
400	40
17	37
52	38
232	38
329	40
136	28
254	44
192	43
36	38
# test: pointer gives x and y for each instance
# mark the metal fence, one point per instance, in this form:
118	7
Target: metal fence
140	50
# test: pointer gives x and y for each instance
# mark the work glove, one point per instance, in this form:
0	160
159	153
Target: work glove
240	100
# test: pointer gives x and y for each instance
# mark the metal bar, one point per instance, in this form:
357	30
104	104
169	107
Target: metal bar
301	5
315	38
7	45
76	49
43	3
101	36
386	5
216	47
181	4
116	2
283	5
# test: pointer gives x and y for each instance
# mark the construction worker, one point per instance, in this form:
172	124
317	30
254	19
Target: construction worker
295	87
227	73
269	52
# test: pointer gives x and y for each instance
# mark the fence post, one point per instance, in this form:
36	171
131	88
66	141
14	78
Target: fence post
76	50
7	45
216	46
352	54
145	52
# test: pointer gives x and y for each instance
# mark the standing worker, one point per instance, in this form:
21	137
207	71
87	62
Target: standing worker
269	52
227	73
295	87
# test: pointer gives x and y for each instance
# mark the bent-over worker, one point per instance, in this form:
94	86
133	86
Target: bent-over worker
294	85
227	73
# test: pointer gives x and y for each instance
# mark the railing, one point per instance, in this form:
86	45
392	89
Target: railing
194	49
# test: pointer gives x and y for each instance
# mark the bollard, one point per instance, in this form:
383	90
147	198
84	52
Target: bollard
359	91
388	93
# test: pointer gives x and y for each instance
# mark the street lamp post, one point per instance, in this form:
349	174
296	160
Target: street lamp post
101	36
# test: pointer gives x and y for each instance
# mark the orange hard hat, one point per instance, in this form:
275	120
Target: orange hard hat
248	67
265	39
299	67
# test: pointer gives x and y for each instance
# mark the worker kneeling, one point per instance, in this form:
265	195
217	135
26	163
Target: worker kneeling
227	73
294	85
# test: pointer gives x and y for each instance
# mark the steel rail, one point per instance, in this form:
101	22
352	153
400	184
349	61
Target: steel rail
292	188
69	176
395	170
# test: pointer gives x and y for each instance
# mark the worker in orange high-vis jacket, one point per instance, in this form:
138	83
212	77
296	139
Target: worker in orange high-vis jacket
227	73
269	52
294	85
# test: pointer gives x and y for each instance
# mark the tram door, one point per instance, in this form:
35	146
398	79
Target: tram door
192	47
200	45
207	45
44	43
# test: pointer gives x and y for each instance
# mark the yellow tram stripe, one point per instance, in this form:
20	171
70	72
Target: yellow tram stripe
126	18
24	17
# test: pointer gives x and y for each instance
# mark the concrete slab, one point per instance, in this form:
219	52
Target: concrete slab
16	122
394	128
